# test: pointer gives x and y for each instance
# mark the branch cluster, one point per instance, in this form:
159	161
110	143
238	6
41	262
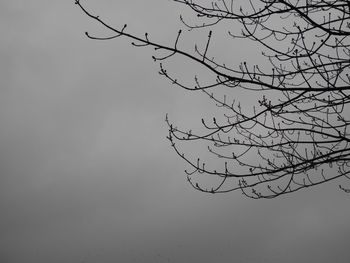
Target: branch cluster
297	134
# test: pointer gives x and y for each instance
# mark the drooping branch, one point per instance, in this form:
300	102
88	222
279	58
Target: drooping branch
296	135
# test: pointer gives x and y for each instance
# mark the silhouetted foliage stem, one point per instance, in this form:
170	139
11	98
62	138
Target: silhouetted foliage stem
297	133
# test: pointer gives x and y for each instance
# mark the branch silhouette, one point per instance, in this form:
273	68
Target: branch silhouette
297	133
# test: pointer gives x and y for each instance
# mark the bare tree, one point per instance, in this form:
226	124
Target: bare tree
296	133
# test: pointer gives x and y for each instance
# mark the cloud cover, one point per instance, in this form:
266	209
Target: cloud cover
86	174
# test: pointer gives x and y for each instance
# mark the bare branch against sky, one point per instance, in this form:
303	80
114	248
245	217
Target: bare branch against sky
294	133
87	173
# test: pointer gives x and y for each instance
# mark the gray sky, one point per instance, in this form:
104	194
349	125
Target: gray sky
86	174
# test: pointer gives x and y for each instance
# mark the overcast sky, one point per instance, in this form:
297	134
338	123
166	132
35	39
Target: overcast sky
86	173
